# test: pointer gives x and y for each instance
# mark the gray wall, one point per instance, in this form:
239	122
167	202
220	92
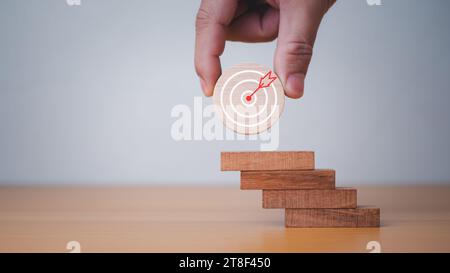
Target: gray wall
86	93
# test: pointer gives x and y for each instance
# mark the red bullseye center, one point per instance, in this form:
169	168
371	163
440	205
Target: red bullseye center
248	98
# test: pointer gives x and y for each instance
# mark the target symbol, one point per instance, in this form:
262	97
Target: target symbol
249	98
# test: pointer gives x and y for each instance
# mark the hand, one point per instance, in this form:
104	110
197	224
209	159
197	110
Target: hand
294	22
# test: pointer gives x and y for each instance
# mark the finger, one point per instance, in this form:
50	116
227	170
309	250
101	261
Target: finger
299	22
213	17
242	7
255	27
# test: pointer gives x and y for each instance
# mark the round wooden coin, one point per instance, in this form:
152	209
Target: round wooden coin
249	98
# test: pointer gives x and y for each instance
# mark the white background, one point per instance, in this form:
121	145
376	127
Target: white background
86	93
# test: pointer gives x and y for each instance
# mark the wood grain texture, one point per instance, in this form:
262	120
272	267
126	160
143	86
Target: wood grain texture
309	199
204	218
268	161
315	218
288	180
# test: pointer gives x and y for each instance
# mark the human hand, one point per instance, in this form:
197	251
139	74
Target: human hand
294	22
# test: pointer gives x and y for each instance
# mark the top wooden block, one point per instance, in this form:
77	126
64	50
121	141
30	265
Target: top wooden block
266	161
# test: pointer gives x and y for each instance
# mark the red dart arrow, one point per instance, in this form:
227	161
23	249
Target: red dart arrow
264	82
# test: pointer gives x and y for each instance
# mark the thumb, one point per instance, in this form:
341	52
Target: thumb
299	22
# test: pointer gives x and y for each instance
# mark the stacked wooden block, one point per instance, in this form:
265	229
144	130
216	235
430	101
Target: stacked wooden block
309	196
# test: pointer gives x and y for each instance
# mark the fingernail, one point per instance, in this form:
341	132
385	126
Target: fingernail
295	84
205	87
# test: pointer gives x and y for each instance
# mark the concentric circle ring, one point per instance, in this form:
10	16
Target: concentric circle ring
230	99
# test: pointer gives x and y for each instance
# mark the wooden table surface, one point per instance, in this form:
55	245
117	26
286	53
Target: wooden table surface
208	219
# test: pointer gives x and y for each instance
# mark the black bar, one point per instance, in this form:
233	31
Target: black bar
223	262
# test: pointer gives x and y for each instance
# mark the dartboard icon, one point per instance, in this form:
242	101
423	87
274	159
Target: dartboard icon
249	98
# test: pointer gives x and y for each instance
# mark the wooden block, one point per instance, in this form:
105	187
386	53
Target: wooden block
339	198
243	106
266	161
359	217
288	180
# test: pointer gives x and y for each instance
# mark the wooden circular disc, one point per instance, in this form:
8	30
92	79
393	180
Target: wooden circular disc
244	114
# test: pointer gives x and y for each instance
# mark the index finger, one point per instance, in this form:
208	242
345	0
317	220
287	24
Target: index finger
212	20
